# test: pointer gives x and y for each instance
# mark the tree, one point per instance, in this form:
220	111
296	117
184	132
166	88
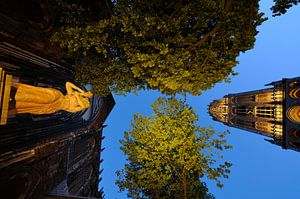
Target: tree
174	46
281	6
168	153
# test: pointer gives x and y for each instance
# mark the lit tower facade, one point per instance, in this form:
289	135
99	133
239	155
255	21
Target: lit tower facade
273	112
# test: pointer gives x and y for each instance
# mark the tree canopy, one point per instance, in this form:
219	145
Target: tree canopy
281	6
174	46
168	153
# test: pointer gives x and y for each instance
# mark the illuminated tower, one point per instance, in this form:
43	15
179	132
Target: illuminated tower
273	112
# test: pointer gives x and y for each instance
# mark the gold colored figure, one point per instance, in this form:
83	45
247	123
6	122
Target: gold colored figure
39	100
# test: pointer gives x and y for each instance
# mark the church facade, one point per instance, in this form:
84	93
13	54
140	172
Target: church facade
272	112
51	155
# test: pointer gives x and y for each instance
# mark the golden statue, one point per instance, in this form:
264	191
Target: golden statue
39	100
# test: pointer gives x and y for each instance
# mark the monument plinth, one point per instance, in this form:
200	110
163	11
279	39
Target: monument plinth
5	87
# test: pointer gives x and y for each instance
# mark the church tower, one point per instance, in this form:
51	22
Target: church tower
273	112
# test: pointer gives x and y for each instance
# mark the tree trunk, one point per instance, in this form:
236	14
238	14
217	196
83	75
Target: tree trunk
155	194
185	185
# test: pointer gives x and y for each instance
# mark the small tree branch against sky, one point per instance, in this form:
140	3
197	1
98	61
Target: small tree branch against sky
172	46
281	6
169	153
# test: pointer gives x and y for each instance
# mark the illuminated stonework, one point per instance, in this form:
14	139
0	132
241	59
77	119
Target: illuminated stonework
44	156
294	114
272	112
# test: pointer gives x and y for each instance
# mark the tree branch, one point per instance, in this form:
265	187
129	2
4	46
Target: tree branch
228	8
251	14
223	41
207	54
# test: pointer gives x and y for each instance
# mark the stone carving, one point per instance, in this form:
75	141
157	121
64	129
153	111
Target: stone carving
39	100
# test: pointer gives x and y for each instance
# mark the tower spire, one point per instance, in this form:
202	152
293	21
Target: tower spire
273	112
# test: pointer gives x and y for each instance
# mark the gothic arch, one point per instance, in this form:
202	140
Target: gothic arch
20	183
295	93
294	133
294	114
295	144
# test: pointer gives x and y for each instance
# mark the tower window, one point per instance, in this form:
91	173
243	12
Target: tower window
245	98
295	93
264	111
243	110
295	144
294	114
245	123
294	133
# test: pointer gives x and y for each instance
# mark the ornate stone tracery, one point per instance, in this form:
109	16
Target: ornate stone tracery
273	112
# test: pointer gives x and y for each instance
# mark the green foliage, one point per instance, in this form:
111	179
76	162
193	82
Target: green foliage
72	13
168	153
172	46
281	6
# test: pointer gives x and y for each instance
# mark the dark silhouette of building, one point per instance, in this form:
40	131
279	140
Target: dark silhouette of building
45	156
273	112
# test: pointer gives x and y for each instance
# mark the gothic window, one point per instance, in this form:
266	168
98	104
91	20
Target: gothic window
264	111
294	83
245	123
245	98
78	179
264	97
294	114
295	144
295	93
240	110
80	149
294	133
269	96
243	110
265	127
277	131
21	182
15	188
278	95
224	109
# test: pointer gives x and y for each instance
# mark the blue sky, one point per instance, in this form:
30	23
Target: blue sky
260	170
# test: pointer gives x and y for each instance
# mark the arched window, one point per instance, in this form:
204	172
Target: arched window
19	183
295	93
294	114
244	98
79	179
14	188
294	133
245	123
80	149
243	110
295	144
264	111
